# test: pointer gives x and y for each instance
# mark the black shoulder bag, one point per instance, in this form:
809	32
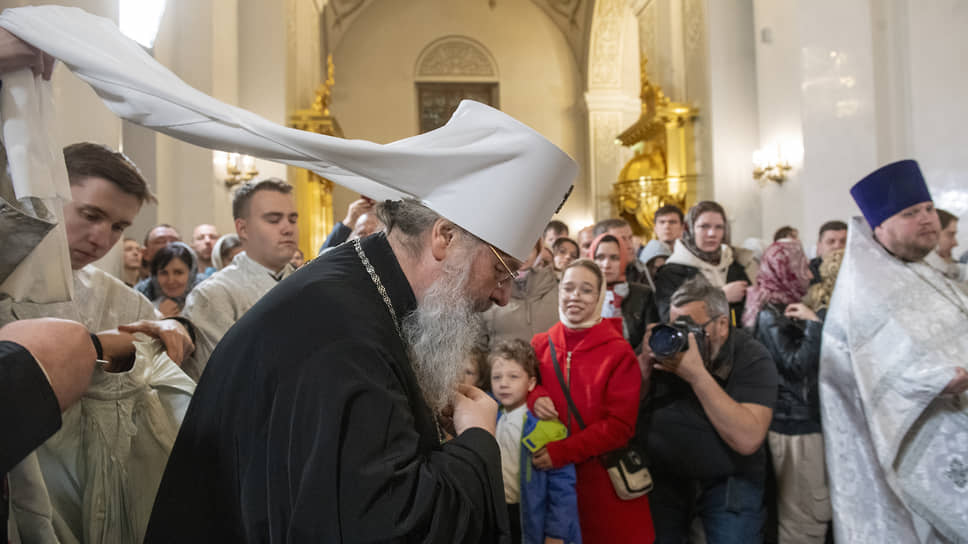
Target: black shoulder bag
626	468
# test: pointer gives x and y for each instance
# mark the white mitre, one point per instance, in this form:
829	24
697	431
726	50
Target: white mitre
483	170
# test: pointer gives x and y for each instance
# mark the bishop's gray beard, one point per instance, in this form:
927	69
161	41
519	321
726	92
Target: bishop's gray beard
442	331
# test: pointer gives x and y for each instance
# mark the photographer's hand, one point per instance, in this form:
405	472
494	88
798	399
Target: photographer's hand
690	366
742	426
646	358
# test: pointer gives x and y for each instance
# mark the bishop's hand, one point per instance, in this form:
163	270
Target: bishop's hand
474	408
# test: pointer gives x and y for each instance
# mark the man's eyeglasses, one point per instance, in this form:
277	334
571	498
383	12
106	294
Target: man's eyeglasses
500	283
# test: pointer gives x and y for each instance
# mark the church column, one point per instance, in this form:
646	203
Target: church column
612	96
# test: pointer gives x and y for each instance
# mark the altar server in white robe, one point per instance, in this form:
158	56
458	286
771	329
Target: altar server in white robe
94	480
892	374
265	220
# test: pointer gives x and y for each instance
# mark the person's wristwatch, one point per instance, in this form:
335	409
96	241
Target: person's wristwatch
99	349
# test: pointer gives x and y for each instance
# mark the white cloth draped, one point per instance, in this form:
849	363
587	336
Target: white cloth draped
35	265
897	452
485	171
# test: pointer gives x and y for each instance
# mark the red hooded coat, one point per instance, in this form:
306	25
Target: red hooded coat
604	379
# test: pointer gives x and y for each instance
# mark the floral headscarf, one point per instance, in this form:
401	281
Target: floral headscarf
783	279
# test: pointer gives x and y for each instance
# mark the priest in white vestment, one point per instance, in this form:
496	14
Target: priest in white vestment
265	220
892	374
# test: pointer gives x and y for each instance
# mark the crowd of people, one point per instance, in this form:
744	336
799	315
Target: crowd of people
419	381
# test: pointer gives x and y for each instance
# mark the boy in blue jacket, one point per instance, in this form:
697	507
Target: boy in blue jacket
542	505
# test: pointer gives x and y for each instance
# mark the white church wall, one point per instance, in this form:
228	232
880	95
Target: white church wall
777	40
936	61
731	116
539	82
875	84
187	188
838	105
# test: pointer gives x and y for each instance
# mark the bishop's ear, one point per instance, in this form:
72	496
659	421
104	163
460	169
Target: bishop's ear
442	237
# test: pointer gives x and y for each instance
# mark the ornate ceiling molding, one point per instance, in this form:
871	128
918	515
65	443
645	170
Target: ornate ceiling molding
572	17
605	45
338	17
455	58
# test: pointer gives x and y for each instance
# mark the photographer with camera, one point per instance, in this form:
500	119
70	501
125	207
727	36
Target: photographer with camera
708	414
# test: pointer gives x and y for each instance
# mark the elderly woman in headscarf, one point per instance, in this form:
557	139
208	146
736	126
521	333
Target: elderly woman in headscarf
630	302
601	372
174	272
791	331
704	248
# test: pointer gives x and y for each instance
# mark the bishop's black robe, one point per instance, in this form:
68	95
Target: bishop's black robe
308	426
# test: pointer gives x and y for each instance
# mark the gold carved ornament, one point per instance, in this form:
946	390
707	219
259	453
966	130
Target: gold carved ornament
314	193
663	169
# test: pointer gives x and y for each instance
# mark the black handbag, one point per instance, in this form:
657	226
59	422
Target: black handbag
626	467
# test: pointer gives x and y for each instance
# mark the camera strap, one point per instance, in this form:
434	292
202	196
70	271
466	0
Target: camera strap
564	387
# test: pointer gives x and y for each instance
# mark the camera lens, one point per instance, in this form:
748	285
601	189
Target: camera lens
666	341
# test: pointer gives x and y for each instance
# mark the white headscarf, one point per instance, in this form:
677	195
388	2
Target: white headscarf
596	316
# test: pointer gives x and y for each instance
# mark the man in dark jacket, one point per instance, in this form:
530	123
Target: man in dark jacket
833	236
709	413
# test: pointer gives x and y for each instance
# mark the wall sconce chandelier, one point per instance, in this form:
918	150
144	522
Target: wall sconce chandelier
236	167
774	161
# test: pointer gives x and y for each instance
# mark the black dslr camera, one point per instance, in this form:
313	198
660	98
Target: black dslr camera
669	342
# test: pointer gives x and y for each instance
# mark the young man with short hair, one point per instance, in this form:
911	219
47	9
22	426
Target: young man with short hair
265	220
668	221
832	237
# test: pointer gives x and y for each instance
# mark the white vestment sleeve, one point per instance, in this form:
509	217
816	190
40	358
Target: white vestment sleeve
895	447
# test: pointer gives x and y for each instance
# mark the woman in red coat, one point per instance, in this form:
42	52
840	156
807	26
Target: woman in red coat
604	379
